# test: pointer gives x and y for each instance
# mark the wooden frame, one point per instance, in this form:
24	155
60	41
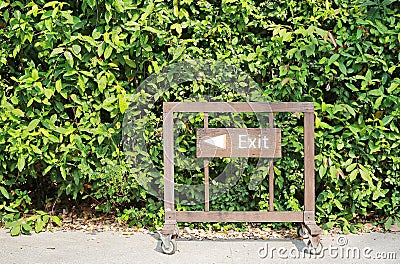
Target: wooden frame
307	217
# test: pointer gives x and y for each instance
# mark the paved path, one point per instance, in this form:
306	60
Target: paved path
113	247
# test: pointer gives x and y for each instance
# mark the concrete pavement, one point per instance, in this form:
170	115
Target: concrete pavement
114	247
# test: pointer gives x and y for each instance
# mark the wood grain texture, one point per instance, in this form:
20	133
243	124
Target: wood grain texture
239	216
238	107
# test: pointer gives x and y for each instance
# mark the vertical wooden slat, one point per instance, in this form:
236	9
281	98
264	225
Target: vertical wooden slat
271	170
168	142
206	174
309	181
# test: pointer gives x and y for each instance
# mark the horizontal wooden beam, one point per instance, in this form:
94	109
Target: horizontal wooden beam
238	107
239	216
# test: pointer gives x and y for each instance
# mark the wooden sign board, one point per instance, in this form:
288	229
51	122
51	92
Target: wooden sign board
239	142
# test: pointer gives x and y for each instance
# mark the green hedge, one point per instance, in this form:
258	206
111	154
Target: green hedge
69	68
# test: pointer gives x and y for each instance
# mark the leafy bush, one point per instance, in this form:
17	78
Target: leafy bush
68	70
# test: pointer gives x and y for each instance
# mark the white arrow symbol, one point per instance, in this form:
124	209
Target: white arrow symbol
218	141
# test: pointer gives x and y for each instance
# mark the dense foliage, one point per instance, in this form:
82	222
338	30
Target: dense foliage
67	70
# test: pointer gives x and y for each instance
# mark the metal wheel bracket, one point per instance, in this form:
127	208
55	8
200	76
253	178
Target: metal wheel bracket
166	240
302	231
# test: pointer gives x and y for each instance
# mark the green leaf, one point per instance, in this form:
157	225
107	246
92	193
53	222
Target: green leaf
36	150
147	48
148	11
102	83
178	52
398	221
46	218
63	173
53	138
6	15
338	204
48	168
4	192
329	225
51	4
388	223
96	34
129	62
35	74
76	49
26	228
40	212
56	220
39	225
108	52
18	112
351	167
333	58
378	102
387	119
16	230
375	92
310	49
56	51
365	175
368	75
48	93
181	149
322	171
108	15
345	229
69	58
123	103
393	86
100	49
32	125
342	68
353	175
58	85
177	27
21	162
377	193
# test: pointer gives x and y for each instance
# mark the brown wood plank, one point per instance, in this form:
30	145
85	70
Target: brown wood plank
168	143
206	174
239	142
271	170
236	216
248	107
309	177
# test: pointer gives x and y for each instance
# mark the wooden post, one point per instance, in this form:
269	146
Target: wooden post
169	197
206	174
309	181
271	170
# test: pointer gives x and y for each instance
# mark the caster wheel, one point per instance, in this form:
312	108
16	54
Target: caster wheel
302	231
171	249
314	248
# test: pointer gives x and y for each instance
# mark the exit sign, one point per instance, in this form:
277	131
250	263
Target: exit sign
239	142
